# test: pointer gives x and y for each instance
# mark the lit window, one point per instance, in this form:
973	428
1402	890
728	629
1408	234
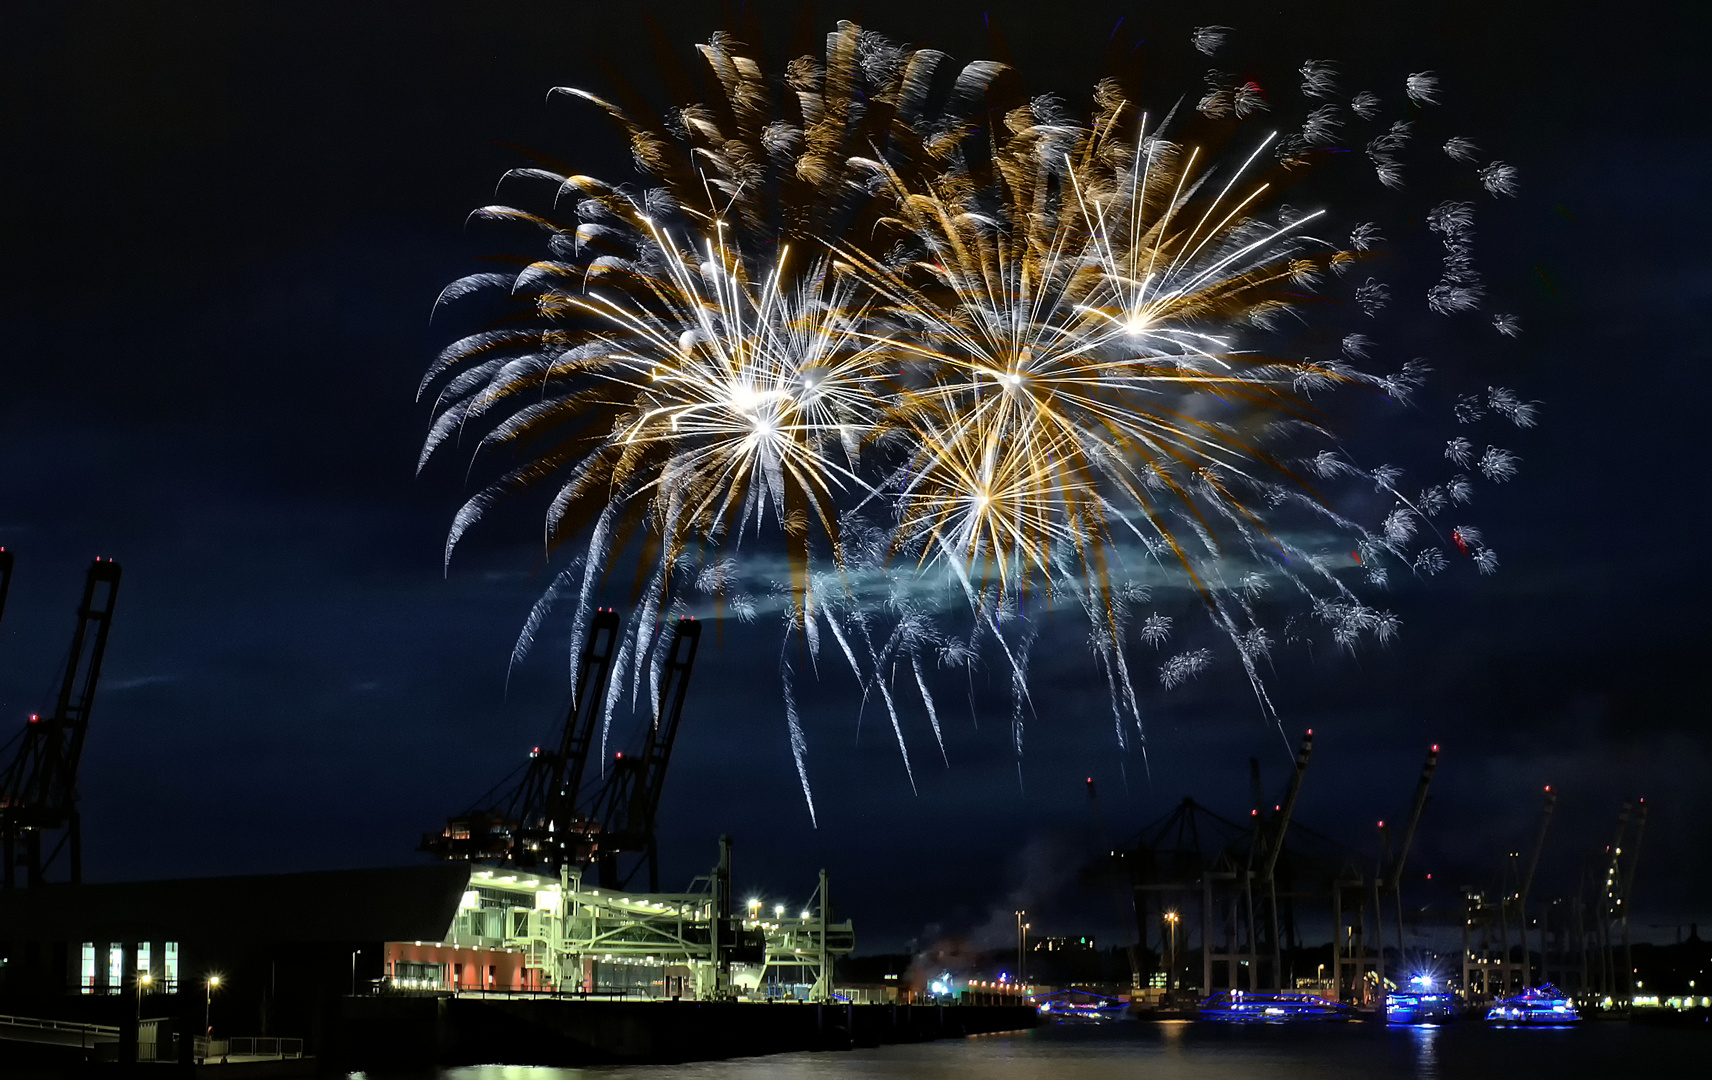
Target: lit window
86	980
170	975
115	968
144	968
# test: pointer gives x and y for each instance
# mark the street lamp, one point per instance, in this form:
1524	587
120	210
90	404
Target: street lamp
144	978
1171	975
207	1016
1022	942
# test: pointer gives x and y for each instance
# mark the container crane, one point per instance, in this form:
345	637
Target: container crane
1275	847
38	784
1525	885
521	827
547	820
625	807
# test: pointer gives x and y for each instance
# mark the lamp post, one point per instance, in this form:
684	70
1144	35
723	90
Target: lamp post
1171	973
208	1016
1022	944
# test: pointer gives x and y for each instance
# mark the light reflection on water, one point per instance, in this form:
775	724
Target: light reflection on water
1181	1051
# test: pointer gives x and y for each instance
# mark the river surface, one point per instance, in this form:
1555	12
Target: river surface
1183	1051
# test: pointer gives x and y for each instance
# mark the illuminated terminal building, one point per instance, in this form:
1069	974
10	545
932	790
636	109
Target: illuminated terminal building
286	948
441	928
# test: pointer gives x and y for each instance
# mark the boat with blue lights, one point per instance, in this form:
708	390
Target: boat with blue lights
1543	1004
1420	1003
1287	1007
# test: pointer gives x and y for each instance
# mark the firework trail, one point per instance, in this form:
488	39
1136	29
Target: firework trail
970	356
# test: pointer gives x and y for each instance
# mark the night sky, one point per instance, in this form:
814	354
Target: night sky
224	227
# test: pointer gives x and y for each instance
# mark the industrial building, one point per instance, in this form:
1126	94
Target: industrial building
274	954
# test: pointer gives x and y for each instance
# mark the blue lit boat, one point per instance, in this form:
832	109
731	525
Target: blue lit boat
1543	1004
1420	1004
1238	1007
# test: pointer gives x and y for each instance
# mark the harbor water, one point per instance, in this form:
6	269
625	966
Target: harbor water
1185	1051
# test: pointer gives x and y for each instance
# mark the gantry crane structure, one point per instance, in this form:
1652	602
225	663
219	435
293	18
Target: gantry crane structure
38	782
1237	877
553	818
1490	968
1243	884
1591	928
1348	947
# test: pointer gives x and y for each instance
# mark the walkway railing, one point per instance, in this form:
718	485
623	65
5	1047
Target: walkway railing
247	1048
60	1031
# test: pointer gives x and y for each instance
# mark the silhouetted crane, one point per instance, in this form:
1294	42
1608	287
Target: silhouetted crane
38	784
546	820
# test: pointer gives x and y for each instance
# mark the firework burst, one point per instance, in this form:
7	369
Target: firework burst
1023	362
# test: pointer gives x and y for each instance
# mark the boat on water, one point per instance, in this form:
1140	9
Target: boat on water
1082	1007
1421	1003
1543	1004
1286	1007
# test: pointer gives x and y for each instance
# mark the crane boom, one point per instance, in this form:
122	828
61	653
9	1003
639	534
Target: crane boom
1527	882
663	732
38	787
625	808
536	823
1634	854
594	670
547	818
1420	804
1277	846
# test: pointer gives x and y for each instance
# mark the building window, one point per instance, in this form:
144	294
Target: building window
145	969
416	975
169	976
86	974
115	968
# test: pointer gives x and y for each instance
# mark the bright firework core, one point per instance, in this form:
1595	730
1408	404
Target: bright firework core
1051	360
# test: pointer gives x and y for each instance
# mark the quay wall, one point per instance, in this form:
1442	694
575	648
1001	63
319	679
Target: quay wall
391	1033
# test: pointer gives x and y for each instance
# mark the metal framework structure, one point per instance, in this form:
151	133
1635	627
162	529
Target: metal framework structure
1350	953
1585	936
1243	884
38	783
1490	969
581	938
626	805
547	820
1238	878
